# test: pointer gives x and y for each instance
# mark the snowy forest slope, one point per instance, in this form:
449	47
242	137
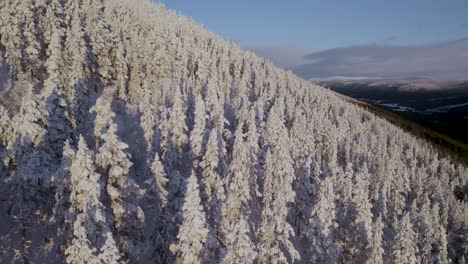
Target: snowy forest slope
130	134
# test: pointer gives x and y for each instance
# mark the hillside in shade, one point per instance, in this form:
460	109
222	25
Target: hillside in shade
130	134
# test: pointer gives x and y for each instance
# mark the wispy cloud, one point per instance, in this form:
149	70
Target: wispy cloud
441	61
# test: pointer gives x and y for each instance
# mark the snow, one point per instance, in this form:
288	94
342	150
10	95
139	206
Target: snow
129	133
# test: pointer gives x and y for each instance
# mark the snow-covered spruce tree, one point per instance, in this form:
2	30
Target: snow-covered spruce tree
123	191
148	120
53	19
197	135
61	180
213	189
104	114
158	181
439	246
158	197
404	249
376	252
426	231
238	189
241	249
30	122
81	249
11	37
237	207
359	218
109	252
100	42
122	68
6	129
32	41
275	232
322	232
194	232
212	179
58	120
76	56
301	152
86	209
177	122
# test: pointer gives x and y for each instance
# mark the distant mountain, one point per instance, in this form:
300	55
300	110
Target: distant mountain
130	134
408	84
447	60
439	105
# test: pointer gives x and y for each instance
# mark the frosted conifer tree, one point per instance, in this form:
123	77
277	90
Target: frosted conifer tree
31	37
404	249
240	248
426	230
177	123
81	250
109	252
104	113
6	129
212	181
193	234
197	135
360	230
159	181
322	225
148	120
62	184
11	37
275	231
237	208
122	68
122	190
376	246
30	122
85	207
76	55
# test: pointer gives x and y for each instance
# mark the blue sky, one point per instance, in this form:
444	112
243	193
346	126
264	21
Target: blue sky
313	25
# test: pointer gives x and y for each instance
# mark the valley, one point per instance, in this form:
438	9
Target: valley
442	107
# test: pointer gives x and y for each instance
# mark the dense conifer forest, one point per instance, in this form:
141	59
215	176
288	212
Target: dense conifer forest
131	134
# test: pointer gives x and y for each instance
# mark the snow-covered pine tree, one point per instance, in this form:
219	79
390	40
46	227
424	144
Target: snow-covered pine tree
240	248
237	207
121	67
122	190
104	114
148	120
77	63
30	122
197	135
32	42
275	232
86	208
404	249
177	122
376	252
158	197
194	232
109	252
322	232
6	129
213	188
81	249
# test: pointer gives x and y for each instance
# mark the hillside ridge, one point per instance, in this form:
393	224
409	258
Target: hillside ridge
130	134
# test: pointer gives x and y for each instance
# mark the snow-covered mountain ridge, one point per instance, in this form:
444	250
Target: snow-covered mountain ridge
130	134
